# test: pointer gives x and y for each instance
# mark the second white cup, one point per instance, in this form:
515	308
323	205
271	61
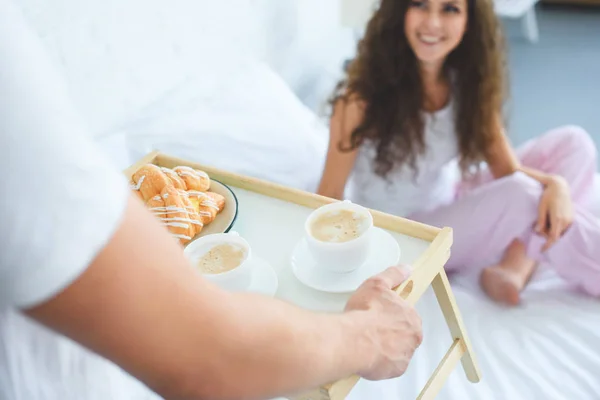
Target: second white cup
222	258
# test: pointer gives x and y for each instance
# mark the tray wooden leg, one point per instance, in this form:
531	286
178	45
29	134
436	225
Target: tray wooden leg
442	372
447	302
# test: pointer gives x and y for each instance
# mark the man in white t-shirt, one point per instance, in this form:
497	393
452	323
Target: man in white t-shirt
81	256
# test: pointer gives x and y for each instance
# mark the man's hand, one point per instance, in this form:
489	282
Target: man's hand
394	329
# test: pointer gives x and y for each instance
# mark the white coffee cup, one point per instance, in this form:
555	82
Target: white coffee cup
343	256
235	279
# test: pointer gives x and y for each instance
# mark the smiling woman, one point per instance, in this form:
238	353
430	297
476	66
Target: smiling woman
420	106
431	42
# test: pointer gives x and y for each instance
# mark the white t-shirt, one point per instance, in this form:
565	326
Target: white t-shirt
62	199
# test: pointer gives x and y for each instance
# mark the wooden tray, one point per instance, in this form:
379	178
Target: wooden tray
294	205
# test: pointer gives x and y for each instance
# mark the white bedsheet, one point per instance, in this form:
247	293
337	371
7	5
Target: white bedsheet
547	349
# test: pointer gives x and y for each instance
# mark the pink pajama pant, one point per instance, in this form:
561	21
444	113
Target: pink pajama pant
487	216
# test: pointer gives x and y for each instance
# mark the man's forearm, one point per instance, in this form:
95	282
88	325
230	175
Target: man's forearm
266	344
141	305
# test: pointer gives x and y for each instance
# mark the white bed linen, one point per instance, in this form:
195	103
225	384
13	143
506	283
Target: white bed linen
549	348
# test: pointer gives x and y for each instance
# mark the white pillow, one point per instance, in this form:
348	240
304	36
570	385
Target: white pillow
252	124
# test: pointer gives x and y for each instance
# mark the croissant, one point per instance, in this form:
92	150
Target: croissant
208	204
179	198
194	179
136	191
156	205
169	208
176	180
218	200
193	214
150	181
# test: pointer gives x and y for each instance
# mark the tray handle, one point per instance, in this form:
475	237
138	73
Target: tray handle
426	267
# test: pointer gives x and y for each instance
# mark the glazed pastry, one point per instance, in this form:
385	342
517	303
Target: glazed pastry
150	181
156	205
177	214
173	196
193	214
136	191
218	200
208	204
194	179
176	180
198	200
178	218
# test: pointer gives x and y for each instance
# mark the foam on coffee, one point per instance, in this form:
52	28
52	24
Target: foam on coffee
221	258
338	226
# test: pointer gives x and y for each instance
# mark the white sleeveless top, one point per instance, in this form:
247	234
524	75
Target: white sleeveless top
405	193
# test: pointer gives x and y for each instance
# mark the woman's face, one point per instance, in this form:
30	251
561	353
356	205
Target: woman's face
434	28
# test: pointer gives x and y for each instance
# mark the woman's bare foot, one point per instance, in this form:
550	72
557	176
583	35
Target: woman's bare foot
501	285
505	281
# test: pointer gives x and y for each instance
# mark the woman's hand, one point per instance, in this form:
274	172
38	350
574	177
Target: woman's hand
555	210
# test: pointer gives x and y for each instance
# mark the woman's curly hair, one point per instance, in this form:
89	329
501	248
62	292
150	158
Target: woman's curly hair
385	77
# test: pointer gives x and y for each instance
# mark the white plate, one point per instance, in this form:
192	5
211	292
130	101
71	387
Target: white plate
264	278
384	252
225	219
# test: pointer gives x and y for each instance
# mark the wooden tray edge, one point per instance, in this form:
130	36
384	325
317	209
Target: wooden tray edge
386	221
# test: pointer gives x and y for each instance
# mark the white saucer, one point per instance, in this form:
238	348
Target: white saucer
264	278
384	252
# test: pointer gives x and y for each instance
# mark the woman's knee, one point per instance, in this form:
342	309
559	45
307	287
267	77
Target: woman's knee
522	192
577	140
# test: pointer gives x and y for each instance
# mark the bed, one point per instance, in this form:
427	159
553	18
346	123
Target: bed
548	348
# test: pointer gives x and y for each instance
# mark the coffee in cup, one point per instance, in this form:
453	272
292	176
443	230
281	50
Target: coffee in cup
339	226
338	236
221	258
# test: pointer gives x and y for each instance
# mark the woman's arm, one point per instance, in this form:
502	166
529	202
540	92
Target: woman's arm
503	161
347	115
555	212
